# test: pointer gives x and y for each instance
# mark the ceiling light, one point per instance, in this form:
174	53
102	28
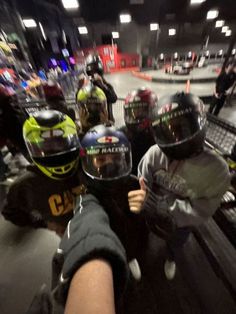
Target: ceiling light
161	56
29	23
154	26
70	4
172	31
192	2
207	53
220	52
176	55
220	23
115	35
233	52
224	29
83	30
189	54
228	33
212	14
125	18
42	31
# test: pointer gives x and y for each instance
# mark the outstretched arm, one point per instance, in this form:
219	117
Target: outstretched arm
91	289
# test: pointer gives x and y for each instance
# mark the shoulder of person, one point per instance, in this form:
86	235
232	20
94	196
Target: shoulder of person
211	159
154	152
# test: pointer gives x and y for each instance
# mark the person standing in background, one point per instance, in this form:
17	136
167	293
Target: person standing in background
224	81
94	69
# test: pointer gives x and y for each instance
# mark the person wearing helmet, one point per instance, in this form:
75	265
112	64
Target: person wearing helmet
11	121
44	196
102	230
55	98
185	180
94	69
92	106
107	162
138	108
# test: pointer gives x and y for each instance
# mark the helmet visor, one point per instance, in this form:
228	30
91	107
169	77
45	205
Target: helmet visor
175	127
136	113
58	160
51	143
107	166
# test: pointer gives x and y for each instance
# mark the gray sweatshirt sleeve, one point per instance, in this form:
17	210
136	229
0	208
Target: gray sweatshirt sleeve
211	179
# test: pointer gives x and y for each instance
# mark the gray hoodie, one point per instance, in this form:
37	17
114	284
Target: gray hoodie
189	190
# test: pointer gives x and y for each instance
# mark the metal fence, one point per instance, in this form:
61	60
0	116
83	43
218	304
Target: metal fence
221	134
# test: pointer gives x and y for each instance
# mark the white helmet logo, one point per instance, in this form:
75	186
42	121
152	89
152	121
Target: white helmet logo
52	133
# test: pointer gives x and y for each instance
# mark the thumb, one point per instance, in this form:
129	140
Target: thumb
142	184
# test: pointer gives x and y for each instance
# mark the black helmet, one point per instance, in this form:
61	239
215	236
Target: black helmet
94	65
106	153
179	125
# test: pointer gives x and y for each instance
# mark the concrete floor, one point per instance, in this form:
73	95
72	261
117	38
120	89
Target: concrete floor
25	265
125	82
26	254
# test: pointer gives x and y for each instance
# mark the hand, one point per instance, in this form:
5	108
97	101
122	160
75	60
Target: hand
104	116
136	198
53	226
98	78
83	116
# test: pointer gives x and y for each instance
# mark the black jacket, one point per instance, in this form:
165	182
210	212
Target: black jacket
34	199
129	227
108	91
224	81
140	144
89	236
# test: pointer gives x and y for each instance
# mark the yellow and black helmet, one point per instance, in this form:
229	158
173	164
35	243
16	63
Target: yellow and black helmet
92	104
52	142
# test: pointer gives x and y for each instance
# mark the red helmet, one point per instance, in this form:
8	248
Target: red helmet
53	92
138	108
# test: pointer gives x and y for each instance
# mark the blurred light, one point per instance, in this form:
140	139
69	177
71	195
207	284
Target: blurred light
176	55
54	62
65	53
115	35
220	52
83	30
72	60
154	26
29	23
42	31
70	4
233	52
172	31
192	2
220	23
228	33
212	14
207	53
64	65
64	37
161	56
224	29
189	54
125	18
